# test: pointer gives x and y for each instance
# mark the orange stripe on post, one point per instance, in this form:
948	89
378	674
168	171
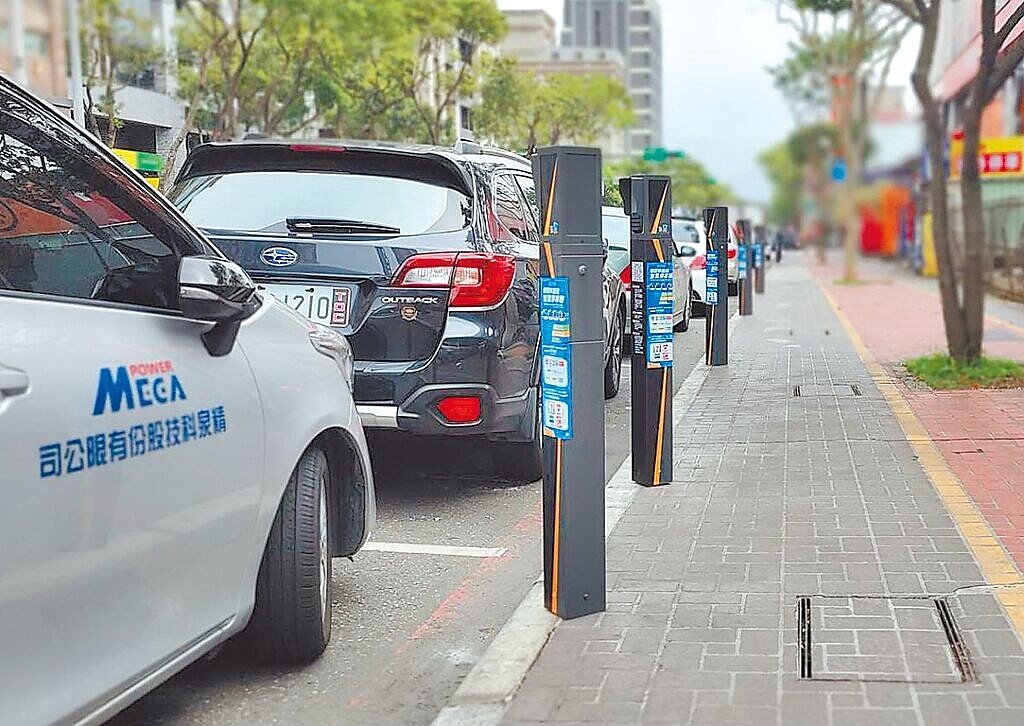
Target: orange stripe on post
658	250
548	258
551	200
661	427
557	528
661	210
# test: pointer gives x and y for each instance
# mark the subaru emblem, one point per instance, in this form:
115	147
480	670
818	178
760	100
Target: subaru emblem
279	256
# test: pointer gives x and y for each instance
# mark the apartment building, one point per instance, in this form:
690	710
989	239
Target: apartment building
634	29
42	65
531	40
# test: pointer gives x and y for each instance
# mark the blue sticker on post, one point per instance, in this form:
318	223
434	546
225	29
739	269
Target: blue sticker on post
742	255
758	255
711	277
660	306
556	357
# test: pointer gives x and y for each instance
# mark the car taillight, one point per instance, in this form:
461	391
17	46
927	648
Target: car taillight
460	409
626	275
732	253
432	270
476	279
698	262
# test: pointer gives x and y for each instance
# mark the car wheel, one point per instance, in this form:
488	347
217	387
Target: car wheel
613	368
520	460
292	619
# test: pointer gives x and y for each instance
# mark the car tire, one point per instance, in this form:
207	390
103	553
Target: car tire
521	461
291	622
613	367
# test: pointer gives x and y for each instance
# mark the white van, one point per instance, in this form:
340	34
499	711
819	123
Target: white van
179	457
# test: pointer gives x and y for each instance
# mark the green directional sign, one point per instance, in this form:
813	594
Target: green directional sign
660	154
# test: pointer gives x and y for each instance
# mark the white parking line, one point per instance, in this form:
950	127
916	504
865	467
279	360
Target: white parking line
410	548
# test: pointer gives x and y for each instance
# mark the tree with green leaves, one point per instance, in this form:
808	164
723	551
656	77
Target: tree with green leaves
842	49
117	47
448	34
787	180
520	109
963	315
692	185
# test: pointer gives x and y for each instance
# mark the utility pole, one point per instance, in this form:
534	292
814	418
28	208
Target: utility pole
19	71
77	90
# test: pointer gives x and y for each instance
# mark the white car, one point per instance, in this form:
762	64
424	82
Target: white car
181	458
615	229
692	245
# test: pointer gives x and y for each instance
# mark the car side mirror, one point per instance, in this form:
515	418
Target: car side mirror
686	251
215	290
604	247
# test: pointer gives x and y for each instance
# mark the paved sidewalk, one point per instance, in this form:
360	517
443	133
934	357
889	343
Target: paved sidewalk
777	497
980	433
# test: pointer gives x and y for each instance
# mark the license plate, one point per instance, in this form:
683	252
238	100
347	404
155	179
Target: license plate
326	305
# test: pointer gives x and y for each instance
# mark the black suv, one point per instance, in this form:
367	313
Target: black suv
426	258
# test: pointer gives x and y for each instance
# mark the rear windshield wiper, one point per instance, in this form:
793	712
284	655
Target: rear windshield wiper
312	225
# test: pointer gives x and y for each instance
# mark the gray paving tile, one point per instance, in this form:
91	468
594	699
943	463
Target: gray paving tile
778	497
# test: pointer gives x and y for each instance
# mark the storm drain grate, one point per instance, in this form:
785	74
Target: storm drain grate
837	390
803	626
881	640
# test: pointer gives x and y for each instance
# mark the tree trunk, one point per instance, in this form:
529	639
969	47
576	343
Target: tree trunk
974	235
851	220
952	313
938	189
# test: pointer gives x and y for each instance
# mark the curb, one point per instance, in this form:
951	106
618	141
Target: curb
483	696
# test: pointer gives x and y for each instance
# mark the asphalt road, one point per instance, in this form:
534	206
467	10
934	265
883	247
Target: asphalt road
407	626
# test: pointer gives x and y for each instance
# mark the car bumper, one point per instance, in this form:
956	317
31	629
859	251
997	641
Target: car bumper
420	415
484	362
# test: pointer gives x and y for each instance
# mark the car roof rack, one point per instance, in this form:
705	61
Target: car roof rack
467	144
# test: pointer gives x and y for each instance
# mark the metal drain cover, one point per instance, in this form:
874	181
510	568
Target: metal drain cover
843	390
881	639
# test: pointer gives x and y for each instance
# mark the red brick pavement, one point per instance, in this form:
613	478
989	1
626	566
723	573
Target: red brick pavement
980	433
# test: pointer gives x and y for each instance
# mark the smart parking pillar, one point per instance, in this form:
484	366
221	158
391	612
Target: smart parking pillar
648	202
745	263
568	182
759	257
716	334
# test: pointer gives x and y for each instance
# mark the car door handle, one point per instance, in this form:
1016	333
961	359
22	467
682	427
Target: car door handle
13	382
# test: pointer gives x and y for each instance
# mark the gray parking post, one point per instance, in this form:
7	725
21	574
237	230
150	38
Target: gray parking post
759	256
647	200
745	260
568	182
716	267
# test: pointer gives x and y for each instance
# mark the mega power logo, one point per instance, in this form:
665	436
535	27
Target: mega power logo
124	389
138	384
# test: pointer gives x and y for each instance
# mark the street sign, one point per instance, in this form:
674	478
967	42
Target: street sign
839	170
660	153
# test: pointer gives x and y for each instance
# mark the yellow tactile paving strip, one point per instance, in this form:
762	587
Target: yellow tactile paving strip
996	565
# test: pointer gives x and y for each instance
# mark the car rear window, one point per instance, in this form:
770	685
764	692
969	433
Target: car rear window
263	201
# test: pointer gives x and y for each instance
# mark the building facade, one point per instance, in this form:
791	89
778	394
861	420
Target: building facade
531	40
41	64
632	28
957	54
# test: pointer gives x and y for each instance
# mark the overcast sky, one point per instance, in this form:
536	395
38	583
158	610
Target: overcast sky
719	102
